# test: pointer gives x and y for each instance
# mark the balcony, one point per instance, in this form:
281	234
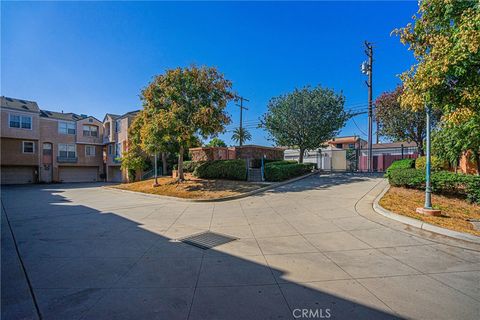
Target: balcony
67	160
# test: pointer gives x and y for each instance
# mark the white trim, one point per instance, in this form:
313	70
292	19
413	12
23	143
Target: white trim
67	144
94	151
67	122
23	147
20	115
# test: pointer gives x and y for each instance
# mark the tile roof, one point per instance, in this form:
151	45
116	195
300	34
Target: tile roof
69	116
19	104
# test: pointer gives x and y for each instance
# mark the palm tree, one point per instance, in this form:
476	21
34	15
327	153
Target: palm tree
241	135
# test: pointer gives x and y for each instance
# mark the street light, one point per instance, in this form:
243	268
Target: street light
427	207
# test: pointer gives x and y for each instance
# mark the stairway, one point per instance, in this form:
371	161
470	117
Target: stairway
255	175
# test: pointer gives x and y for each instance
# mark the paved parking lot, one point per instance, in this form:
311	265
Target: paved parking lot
315	245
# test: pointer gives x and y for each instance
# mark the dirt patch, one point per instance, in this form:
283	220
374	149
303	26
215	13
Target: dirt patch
192	188
404	201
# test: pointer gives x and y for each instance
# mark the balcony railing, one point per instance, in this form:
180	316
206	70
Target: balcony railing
67	160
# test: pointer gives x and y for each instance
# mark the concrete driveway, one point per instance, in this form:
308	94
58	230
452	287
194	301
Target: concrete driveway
309	250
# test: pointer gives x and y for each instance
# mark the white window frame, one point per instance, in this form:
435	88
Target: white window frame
69	126
110	149
94	150
118	150
20	121
33	147
89	130
118	126
67	145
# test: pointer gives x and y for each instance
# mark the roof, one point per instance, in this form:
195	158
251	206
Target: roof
19	104
118	116
350	139
69	116
393	145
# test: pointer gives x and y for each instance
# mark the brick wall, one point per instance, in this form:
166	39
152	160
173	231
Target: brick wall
244	152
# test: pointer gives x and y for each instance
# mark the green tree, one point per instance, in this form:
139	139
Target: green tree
450	141
216	142
445	40
241	135
400	123
305	118
185	103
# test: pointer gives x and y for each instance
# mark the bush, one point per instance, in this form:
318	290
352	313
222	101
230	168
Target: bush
435	164
190	166
408	178
400	164
280	170
444	182
222	169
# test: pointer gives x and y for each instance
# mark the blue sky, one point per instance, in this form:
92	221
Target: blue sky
95	57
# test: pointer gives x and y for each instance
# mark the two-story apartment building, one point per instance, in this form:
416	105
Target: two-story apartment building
115	140
20	133
72	147
46	146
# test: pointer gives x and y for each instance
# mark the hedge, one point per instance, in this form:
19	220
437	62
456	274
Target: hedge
400	164
445	182
222	169
435	163
279	170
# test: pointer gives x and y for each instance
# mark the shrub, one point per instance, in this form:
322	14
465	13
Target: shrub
190	166
436	164
222	169
444	182
400	164
275	171
408	178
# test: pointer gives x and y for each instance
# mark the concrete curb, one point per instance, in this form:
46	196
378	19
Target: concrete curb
235	197
420	224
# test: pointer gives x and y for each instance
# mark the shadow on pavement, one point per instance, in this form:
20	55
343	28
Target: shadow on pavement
90	264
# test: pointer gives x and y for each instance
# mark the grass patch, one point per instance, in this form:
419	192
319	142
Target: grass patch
404	201
192	187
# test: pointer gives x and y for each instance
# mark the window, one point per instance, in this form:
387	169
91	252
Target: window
110	149
118	125
47	149
90	131
118	149
90	151
28	147
26	122
339	145
67	151
351	146
17	121
66	128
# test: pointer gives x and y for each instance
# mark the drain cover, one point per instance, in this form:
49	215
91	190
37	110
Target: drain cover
207	240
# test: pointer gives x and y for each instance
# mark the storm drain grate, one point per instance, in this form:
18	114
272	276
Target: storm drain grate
207	240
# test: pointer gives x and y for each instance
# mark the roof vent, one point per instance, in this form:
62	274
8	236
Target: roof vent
25	107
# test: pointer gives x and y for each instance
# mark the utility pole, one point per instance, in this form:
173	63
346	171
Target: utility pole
367	68
241	115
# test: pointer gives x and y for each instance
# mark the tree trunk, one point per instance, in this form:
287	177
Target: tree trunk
164	164
421	150
300	158
181	176
155	168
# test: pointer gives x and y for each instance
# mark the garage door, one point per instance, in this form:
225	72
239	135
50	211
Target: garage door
17	175
116	174
78	174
